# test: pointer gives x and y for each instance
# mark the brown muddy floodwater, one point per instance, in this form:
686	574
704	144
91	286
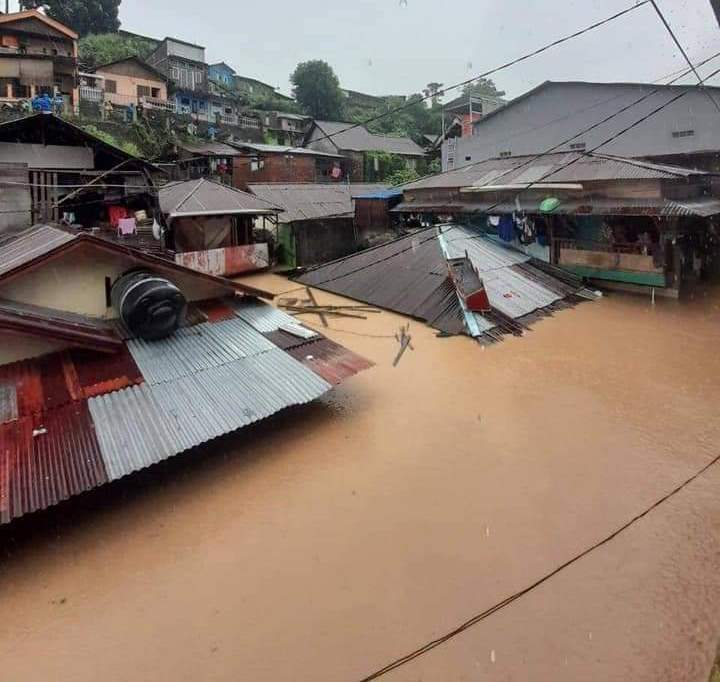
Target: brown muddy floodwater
329	541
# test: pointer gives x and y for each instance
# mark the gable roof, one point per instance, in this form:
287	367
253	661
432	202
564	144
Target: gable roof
223	65
205	197
309	201
136	60
29	249
34	14
357	138
209	148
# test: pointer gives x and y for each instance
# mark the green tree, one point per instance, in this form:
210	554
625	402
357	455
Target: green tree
82	16
94	50
317	90
482	86
433	92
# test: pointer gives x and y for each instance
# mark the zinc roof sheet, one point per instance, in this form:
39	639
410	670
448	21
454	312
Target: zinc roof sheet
205	197
145	424
20	248
307	201
590	167
360	139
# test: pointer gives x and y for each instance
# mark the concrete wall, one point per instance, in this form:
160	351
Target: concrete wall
127	84
558	111
75	282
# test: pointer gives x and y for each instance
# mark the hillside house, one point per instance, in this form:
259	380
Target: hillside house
357	144
38	55
263	163
133	81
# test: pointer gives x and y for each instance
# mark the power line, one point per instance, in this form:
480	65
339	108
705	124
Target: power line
509	600
612	138
682	51
547	175
491	72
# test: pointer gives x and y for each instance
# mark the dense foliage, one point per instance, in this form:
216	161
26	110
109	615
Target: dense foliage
82	16
97	49
317	89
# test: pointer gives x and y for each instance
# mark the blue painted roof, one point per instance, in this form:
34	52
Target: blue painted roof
381	194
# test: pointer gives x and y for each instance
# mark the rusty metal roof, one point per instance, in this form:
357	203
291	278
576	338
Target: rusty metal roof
74	420
17	249
204	197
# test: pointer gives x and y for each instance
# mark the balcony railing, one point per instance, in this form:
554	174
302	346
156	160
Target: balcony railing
156	103
90	94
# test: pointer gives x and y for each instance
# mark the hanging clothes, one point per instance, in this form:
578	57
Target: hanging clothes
506	228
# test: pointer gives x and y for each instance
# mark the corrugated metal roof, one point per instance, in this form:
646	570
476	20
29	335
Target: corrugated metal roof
73	420
20	248
209	149
522	170
265	318
196	349
281	149
410	275
359	139
143	425
307	201
205	197
47	459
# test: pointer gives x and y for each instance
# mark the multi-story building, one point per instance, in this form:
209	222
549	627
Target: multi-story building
37	56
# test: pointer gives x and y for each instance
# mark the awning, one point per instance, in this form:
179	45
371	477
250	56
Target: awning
701	206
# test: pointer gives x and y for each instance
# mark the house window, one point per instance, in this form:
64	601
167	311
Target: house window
578	147
683	133
111	86
505	155
155	93
143	91
468	158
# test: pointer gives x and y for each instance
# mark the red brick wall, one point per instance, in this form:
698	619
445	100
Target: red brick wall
275	168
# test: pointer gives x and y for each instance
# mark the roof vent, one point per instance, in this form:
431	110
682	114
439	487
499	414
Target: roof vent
683	133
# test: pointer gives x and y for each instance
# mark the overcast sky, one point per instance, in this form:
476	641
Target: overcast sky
398	46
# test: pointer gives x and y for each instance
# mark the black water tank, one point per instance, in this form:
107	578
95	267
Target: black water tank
150	306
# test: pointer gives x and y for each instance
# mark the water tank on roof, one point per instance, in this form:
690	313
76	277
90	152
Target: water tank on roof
150	306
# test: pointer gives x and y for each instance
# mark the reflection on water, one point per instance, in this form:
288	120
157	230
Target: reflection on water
332	539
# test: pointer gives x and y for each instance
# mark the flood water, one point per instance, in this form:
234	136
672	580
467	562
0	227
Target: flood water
329	541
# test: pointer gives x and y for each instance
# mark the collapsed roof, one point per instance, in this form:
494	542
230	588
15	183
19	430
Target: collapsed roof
411	276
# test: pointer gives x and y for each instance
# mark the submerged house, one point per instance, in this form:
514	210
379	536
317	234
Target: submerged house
112	360
455	279
210	227
318	220
359	145
623	223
